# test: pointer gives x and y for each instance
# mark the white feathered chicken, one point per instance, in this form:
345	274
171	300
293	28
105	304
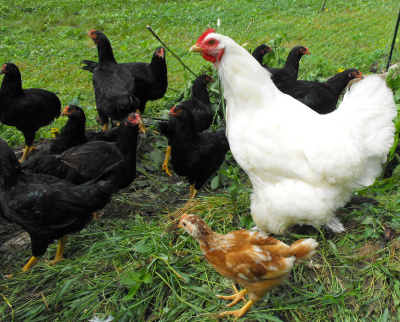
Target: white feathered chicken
303	166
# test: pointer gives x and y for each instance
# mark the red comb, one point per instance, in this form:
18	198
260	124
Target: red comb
205	34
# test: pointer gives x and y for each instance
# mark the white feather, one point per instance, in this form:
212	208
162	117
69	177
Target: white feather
303	165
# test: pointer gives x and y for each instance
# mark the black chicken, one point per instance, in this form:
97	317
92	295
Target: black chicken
45	206
82	163
260	52
321	97
200	107
114	87
193	155
150	79
26	109
290	70
73	133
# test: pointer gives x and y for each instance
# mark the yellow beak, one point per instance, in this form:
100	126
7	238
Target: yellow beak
180	221
195	48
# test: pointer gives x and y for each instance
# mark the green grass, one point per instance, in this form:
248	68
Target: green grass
48	40
128	263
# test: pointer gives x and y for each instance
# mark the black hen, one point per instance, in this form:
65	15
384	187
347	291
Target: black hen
193	155
114	87
200	107
260	52
45	206
85	162
321	97
290	70
26	109
73	133
150	79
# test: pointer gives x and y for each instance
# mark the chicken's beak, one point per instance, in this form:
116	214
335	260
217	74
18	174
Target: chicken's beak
180	222
195	48
64	112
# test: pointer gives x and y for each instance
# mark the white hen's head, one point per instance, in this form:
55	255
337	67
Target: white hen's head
211	45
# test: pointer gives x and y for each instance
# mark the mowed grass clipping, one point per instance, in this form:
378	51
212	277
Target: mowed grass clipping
134	264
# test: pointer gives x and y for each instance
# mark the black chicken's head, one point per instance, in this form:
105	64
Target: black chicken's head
354	73
263	49
8	68
133	119
72	111
96	35
177	111
160	52
209	79
302	50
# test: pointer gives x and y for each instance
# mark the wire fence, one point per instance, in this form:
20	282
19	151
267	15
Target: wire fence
47	39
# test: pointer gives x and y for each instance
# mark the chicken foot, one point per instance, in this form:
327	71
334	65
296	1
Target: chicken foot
28	149
165	164
235	297
241	312
32	261
60	250
238	296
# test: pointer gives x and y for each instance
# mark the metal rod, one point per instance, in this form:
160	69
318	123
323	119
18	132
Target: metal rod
393	42
162	43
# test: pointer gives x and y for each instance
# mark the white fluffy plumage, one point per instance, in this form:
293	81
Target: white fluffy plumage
303	165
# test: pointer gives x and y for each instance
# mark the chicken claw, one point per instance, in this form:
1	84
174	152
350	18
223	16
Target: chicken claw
239	313
235	297
60	250
27	151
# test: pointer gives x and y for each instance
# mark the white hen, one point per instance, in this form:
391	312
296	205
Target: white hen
303	165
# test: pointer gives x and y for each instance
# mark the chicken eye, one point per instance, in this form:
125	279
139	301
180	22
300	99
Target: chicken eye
211	42
184	224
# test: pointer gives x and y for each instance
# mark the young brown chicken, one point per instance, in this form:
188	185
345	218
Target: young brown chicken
252	259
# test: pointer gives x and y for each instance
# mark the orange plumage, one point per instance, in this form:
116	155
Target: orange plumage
250	258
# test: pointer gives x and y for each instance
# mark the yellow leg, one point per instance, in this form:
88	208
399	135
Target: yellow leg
30	263
96	215
241	312
191	191
165	164
194	193
60	250
105	127
235	297
25	154
31	148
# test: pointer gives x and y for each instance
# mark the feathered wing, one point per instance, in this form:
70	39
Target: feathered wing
363	136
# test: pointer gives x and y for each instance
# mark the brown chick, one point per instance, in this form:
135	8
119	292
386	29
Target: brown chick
250	258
